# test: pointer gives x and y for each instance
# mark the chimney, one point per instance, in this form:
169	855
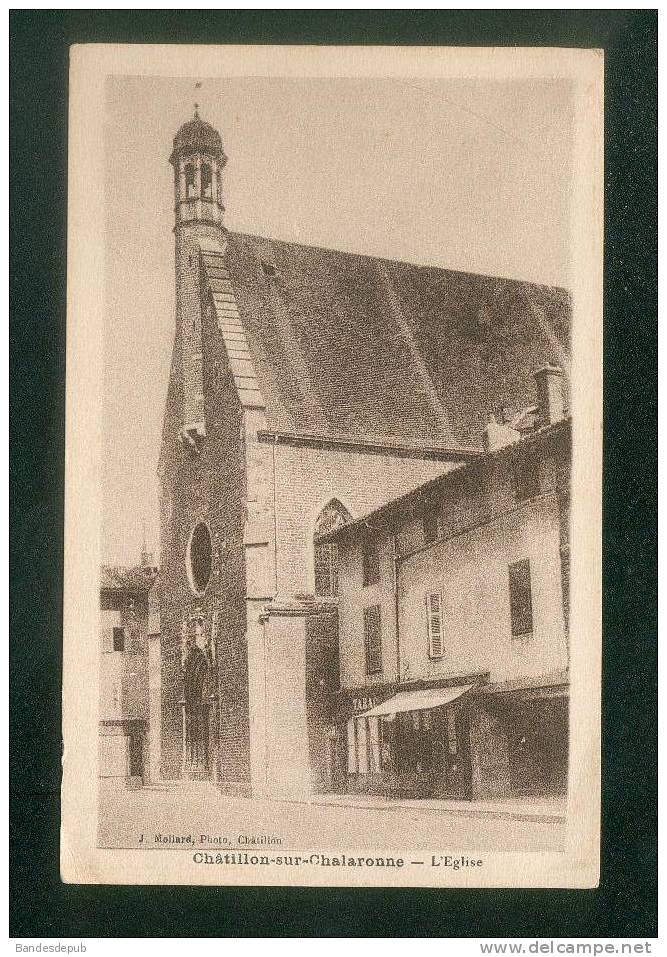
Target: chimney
549	385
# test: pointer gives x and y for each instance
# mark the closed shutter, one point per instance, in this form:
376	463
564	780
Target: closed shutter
362	746
434	623
351	747
374	744
521	603
373	639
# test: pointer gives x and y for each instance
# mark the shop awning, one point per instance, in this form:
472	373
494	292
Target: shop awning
422	700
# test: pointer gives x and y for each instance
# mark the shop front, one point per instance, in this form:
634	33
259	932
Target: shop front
538	745
407	741
519	742
463	741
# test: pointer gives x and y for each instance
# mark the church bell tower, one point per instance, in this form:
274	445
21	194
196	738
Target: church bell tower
198	159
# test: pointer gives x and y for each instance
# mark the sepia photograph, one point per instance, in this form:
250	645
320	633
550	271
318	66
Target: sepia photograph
334	437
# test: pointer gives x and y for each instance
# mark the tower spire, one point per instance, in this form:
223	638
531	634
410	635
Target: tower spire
146	556
198	160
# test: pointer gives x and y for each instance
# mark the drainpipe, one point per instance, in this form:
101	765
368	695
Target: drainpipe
275	520
396	609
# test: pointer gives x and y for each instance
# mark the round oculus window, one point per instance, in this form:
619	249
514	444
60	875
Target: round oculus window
199	558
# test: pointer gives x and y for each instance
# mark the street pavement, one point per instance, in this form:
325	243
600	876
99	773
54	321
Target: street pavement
180	817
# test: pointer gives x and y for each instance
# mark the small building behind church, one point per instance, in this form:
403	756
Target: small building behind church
125	739
453	623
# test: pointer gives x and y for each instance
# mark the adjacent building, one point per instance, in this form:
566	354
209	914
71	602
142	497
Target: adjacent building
453	623
308	388
127	631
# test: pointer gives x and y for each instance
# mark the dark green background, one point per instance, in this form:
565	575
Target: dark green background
625	904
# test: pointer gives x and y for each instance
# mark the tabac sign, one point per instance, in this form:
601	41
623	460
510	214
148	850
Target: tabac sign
359	700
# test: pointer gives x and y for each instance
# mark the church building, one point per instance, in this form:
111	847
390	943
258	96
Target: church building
308	387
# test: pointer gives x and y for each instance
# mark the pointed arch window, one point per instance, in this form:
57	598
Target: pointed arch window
332	516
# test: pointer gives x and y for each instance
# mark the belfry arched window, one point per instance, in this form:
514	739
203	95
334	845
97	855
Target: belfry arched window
190	187
332	516
206	181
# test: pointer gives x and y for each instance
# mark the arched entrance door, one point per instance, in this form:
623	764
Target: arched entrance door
196	706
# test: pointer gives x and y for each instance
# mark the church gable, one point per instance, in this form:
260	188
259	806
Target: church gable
226	316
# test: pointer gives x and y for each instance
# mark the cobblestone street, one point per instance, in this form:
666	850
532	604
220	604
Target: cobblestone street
157	816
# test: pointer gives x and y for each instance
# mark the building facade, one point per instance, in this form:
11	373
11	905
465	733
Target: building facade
127	746
308	387
454	620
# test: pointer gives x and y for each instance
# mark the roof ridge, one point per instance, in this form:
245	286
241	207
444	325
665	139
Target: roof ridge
233	233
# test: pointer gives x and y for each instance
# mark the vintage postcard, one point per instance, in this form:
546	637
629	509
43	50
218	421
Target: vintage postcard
334	429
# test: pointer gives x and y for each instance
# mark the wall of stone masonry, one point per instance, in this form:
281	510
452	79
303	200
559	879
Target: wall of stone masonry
208	485
307	478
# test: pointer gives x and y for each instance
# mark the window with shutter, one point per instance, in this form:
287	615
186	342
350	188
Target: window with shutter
521	602
371	562
434	623
373	640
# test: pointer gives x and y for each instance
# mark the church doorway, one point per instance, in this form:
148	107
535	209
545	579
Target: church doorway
196	707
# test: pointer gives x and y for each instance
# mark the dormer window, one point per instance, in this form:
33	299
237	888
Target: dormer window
269	270
206	181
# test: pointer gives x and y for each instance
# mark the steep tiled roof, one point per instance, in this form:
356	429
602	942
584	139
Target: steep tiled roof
346	345
121	578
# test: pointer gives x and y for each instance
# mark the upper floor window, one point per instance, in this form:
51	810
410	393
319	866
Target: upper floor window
119	639
371	561
373	639
332	516
431	525
526	477
434	624
521	602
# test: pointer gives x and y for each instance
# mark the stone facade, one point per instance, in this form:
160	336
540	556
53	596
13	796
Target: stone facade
125	728
481	524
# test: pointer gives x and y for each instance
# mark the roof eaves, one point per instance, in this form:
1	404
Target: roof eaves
377	443
396	505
